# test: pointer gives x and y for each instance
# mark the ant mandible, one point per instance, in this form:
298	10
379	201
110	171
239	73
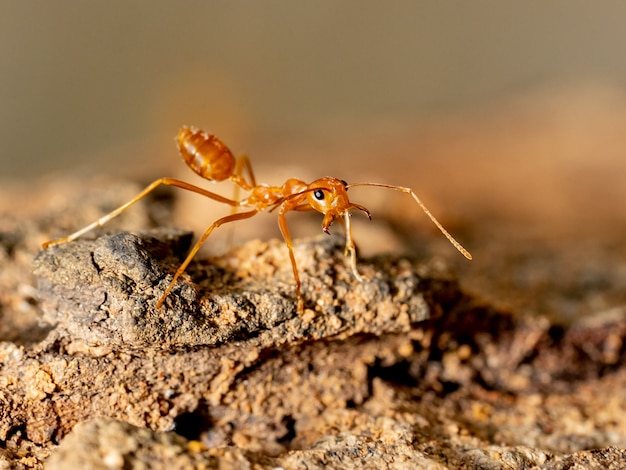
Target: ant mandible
211	159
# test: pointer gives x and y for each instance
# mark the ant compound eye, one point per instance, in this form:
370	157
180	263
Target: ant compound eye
345	183
319	194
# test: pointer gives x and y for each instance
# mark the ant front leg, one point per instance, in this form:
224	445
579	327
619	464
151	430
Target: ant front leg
166	181
350	246
282	224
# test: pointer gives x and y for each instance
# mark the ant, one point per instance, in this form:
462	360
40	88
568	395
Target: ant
210	158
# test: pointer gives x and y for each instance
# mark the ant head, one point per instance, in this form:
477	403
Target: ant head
330	197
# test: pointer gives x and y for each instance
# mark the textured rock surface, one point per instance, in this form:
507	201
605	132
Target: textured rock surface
403	370
104	292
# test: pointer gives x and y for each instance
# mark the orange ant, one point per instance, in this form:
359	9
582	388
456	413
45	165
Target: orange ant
211	159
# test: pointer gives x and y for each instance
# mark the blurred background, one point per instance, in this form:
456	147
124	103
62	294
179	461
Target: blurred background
109	83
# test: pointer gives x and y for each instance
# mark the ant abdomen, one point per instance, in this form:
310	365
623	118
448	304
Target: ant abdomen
205	154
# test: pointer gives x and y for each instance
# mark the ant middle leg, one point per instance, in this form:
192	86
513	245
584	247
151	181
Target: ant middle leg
199	243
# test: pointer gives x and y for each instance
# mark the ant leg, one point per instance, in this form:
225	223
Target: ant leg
166	181
242	163
199	243
350	247
282	224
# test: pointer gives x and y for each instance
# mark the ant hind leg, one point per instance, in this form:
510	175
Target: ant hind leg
151	187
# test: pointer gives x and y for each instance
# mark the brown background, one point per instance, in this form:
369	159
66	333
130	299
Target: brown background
86	83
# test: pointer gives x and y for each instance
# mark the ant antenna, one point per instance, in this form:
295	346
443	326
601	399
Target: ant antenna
402	189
